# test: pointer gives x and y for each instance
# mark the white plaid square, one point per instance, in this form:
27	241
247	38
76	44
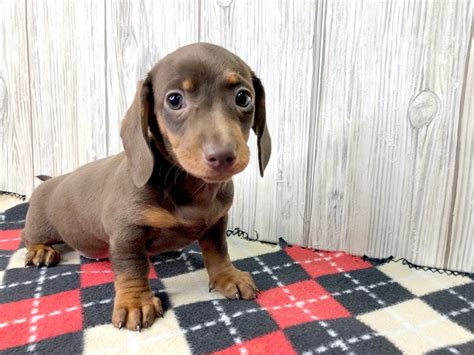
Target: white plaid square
421	282
416	328
189	288
163	337
241	249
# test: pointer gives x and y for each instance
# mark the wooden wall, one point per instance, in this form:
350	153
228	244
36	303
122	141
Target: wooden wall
370	107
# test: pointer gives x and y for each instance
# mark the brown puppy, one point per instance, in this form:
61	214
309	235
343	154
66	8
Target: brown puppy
184	137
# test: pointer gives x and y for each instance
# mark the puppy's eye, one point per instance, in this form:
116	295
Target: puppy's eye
175	101
243	98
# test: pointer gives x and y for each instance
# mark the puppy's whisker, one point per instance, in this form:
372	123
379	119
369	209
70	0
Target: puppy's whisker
176	175
169	170
159	170
197	190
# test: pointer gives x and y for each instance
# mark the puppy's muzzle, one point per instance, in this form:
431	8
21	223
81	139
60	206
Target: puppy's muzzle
220	158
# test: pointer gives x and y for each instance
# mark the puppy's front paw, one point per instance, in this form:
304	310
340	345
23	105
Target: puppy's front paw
40	254
235	284
135	306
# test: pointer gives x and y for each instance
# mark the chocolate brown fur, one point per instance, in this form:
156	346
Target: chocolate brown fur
165	191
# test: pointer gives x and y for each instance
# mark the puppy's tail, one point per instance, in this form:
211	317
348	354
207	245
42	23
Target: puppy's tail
43	177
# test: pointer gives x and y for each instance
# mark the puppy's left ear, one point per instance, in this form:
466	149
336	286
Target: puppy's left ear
260	128
134	133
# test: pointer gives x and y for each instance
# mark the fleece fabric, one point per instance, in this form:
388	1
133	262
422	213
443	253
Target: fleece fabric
311	302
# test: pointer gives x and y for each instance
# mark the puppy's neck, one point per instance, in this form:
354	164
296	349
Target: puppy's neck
185	187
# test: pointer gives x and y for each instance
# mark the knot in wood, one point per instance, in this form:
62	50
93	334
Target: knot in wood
224	3
423	108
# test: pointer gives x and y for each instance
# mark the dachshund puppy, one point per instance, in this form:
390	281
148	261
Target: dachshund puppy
185	136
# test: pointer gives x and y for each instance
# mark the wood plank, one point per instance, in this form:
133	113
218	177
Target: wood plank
387	127
139	33
16	158
276	39
460	255
67	65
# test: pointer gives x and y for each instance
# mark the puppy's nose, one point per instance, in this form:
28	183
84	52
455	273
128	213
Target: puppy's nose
219	157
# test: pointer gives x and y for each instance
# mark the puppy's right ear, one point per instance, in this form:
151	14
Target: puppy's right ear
134	133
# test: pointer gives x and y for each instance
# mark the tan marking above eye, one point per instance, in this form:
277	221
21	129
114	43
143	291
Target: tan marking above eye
232	79
188	85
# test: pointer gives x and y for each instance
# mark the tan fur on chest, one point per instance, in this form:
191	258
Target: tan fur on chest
160	218
157	217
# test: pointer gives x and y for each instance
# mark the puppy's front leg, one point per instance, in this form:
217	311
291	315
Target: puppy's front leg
223	276
135	305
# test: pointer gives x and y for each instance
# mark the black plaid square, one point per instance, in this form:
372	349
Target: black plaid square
340	336
466	348
97	304
5	256
178	262
456	303
14	218
71	343
365	290
205	330
271	268
20	284
248	318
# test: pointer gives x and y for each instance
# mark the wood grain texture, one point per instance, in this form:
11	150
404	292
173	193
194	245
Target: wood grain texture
387	127
460	255
276	39
16	158
369	105
139	33
67	66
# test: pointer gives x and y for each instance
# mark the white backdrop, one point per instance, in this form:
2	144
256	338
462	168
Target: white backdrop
370	107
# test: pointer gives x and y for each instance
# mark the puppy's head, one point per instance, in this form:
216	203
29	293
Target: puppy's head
201	101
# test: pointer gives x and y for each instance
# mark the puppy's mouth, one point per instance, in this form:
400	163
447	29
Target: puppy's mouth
214	165
213	179
217	175
201	169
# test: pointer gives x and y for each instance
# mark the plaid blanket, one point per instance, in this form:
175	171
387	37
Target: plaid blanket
311	302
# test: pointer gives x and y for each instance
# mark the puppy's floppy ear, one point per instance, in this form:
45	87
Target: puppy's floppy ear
134	133
264	141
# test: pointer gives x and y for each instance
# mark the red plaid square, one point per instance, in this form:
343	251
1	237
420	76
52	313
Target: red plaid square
325	263
273	343
301	302
99	273
10	239
56	315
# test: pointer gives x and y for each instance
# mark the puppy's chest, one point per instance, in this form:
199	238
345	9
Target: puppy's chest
187	216
164	240
174	230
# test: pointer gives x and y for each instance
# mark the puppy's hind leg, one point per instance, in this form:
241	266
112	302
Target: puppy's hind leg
38	240
39	233
41	254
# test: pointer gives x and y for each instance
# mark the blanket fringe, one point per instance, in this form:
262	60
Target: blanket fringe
376	261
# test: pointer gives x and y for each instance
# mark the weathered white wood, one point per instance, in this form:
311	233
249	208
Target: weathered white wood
276	39
369	105
139	33
16	159
67	68
460	254
387	127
